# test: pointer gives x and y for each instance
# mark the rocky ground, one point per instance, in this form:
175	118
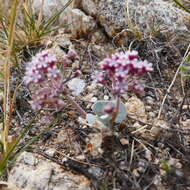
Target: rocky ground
150	149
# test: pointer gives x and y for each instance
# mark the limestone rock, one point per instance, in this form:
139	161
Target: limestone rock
79	24
44	175
112	16
90	7
146	16
49	7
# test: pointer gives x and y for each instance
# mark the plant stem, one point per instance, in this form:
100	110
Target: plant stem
115	112
75	104
182	6
10	151
7	102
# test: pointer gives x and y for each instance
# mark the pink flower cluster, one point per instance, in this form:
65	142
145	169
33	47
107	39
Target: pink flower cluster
45	79
42	66
124	70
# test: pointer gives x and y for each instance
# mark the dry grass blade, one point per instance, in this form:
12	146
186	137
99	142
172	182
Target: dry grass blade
182	6
7	66
173	81
132	153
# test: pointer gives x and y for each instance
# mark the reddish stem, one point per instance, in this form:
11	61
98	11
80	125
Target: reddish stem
75	104
114	115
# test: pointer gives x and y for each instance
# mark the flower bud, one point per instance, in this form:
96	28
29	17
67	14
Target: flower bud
109	109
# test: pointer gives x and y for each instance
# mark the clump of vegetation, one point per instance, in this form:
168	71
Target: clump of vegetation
121	72
48	82
15	35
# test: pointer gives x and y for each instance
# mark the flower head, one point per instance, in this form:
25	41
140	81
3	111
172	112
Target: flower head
123	69
46	80
42	65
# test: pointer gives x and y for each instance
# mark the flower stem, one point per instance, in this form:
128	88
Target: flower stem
75	104
114	115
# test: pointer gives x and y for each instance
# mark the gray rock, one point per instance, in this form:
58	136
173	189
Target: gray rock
150	15
79	24
90	7
50	152
45	175
112	16
144	16
29	159
50	7
97	172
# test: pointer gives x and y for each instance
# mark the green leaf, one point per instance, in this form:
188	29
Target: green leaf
52	19
184	68
91	119
98	108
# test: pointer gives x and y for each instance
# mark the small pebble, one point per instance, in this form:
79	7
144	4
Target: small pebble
106	97
185	107
89	106
97	172
64	159
155	131
150	100
93	99
148	108
29	159
80	157
152	114
124	141
50	152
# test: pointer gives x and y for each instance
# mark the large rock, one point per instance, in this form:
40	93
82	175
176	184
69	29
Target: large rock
50	7
151	15
31	172
146	16
79	23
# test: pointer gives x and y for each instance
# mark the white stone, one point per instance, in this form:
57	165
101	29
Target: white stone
50	152
46	175
94	99
76	86
29	159
50	7
106	97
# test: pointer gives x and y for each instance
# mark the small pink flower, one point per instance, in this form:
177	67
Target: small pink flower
122	68
71	54
133	55
53	72
99	77
49	85
35	105
41	65
109	109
